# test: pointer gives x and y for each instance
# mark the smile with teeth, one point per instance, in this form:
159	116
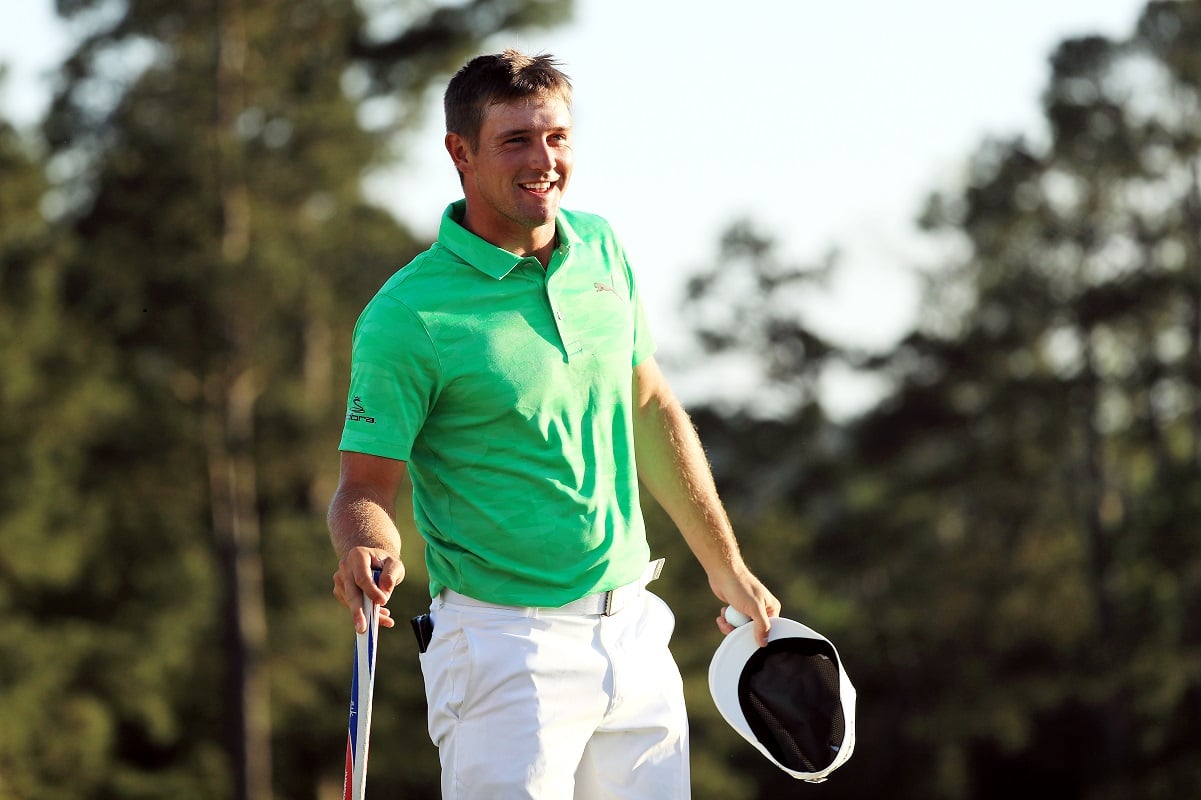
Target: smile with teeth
537	186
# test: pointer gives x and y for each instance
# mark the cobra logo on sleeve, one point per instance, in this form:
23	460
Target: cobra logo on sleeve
358	413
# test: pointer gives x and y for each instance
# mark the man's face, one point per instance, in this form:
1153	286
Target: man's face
515	179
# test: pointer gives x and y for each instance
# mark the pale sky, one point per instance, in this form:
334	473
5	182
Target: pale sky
827	124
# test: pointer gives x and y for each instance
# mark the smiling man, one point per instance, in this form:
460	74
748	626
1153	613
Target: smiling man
509	371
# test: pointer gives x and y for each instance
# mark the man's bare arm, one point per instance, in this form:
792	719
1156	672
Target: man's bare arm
362	529
673	467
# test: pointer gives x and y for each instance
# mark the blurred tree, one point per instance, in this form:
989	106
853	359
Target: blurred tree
1005	544
48	517
175	334
746	311
1074	373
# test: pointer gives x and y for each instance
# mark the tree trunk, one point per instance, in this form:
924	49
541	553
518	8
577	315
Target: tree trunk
230	409
1192	210
233	481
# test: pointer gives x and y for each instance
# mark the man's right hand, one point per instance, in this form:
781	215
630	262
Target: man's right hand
353	581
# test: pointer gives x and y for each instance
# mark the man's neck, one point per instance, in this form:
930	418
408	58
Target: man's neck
538	242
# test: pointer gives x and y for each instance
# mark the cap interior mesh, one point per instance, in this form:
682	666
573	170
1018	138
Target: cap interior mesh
789	694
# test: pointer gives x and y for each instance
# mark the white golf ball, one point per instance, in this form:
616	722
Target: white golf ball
736	617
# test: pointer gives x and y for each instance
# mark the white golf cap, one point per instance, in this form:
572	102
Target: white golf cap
791	698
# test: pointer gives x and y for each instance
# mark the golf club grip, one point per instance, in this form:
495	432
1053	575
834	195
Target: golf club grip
362	685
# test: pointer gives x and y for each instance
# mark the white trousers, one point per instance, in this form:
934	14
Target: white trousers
531	703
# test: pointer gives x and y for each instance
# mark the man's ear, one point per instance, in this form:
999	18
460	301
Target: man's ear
460	152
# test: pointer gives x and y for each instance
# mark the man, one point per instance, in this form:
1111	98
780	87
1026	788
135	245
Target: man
509	371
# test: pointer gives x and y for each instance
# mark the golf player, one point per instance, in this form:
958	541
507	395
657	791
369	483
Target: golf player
509	371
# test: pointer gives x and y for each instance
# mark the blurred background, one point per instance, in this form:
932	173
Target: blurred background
928	275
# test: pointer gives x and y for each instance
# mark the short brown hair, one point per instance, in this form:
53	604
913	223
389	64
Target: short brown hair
501	78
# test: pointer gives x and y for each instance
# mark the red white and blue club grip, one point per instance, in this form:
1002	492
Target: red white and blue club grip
354	785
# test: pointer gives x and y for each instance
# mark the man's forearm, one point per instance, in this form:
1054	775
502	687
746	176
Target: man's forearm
359	519
673	466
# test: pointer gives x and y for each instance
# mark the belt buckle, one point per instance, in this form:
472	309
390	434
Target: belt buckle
614	603
616	599
609	607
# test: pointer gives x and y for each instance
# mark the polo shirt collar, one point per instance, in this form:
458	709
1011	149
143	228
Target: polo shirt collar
485	256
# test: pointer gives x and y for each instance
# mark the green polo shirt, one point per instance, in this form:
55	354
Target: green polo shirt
507	389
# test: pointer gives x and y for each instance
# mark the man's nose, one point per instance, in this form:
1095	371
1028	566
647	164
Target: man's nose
542	157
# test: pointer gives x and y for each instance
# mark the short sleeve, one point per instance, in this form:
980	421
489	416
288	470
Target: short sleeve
394	381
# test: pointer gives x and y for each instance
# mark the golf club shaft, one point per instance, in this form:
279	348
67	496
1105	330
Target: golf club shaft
362	686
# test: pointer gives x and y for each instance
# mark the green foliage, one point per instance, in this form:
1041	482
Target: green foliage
1003	548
